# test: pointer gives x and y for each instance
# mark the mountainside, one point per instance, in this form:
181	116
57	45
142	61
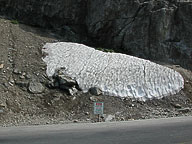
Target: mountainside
157	30
151	29
28	96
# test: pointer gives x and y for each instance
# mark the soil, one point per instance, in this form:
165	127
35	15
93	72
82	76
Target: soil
21	62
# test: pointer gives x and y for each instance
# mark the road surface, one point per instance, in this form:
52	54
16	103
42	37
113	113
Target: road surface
159	131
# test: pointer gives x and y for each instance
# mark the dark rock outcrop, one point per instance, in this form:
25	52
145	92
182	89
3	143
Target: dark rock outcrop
46	13
156	30
152	29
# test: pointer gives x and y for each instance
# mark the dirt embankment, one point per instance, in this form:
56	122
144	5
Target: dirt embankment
26	99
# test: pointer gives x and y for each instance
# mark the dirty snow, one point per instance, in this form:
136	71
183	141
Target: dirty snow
115	74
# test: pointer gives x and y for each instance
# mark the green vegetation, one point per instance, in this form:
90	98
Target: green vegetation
105	50
14	22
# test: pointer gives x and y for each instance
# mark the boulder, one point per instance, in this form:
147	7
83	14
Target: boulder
36	87
95	91
66	81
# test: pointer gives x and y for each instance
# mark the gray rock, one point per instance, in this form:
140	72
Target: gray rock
184	110
36	87
16	71
95	91
1	111
131	105
3	105
23	74
11	80
22	84
60	80
1	66
176	105
22	77
27	76
56	84
109	118
65	80
11	84
6	85
93	98
73	91
75	121
86	113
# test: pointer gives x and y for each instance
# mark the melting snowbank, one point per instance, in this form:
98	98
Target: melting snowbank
115	74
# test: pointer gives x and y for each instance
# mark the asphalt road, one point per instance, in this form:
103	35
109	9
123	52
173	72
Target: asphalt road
159	131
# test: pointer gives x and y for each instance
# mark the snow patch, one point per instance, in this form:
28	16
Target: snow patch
114	73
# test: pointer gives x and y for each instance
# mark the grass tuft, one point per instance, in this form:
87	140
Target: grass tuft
14	22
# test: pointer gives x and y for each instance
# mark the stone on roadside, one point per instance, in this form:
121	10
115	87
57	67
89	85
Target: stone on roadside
122	119
36	87
176	105
184	110
109	118
16	71
75	121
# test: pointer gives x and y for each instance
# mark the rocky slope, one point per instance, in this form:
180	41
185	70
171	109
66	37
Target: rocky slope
27	98
152	29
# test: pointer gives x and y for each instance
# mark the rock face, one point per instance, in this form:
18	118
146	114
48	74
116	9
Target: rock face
151	29
158	30
113	73
46	13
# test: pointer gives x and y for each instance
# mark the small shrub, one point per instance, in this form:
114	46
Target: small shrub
105	50
14	22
